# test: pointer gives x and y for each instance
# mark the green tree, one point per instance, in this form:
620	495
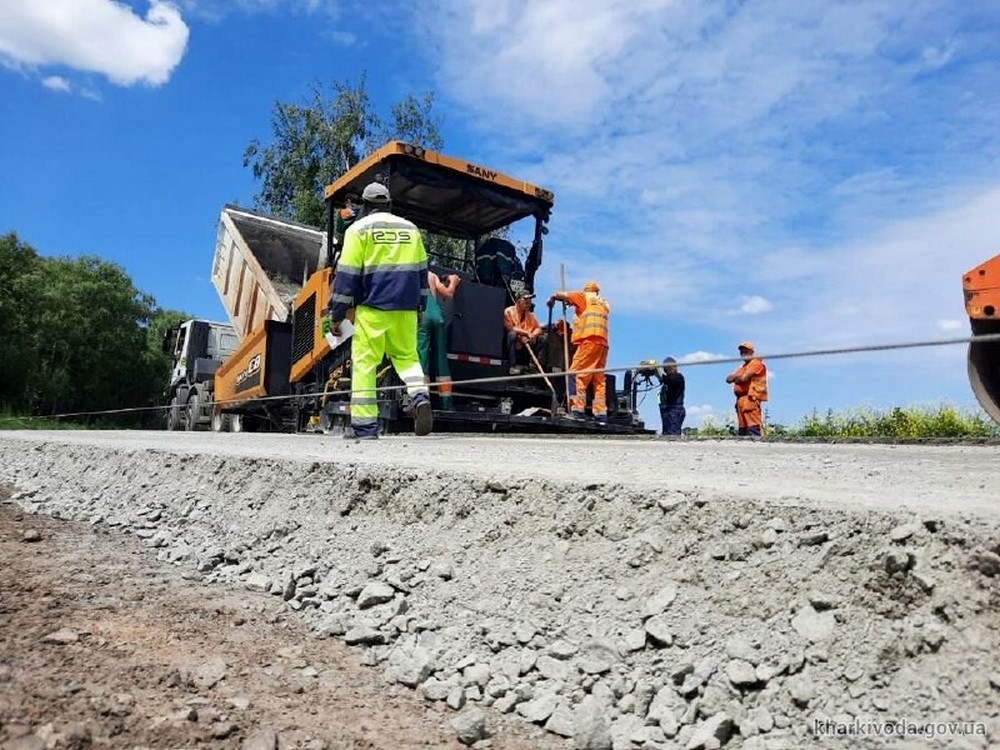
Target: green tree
18	295
314	143
77	336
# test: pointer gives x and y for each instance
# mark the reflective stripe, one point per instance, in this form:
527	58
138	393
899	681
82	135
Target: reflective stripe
382	224
476	360
394	267
350	270
345	298
592	322
363	401
382	220
364	421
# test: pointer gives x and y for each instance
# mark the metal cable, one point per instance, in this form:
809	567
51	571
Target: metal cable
836	351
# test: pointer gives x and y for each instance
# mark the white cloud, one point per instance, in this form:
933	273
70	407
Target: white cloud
699	150
904	283
97	36
700	410
344	38
755	305
701	356
215	10
57	83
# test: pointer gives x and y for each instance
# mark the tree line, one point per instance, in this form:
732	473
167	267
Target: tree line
76	335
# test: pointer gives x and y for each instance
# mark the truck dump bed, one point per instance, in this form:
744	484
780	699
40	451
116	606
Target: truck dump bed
260	265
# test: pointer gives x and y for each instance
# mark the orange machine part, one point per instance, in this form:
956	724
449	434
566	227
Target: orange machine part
240	378
982	304
982	290
315	295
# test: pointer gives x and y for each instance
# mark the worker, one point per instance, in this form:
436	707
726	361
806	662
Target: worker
382	273
523	329
750	387
346	216
672	411
432	335
590	335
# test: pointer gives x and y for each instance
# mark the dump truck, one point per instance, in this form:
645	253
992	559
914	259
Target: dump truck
196	349
982	304
274	279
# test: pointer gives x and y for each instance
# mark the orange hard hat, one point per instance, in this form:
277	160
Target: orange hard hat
748	345
591	286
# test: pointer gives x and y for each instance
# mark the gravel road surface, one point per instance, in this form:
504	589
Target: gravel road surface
618	594
948	479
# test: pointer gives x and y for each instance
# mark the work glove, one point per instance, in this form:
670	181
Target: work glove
330	326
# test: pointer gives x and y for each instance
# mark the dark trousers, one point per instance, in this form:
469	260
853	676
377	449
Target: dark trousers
673	419
512	351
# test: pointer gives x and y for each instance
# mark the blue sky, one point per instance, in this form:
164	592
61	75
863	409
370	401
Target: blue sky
800	174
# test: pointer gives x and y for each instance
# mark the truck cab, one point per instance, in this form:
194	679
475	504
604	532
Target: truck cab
196	349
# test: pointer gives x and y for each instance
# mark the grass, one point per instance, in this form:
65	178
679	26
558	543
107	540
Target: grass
941	421
902	423
11	421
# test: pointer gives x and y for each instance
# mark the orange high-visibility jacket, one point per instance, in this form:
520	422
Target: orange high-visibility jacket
512	319
756	387
591	321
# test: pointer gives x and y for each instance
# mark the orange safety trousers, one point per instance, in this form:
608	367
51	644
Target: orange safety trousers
749	419
591	354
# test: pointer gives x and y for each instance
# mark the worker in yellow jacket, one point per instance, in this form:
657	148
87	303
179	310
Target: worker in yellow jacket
590	336
382	273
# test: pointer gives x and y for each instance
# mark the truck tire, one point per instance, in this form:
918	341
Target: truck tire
193	411
174	414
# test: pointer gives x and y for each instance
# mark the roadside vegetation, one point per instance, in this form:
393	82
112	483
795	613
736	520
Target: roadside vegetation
902	423
76	335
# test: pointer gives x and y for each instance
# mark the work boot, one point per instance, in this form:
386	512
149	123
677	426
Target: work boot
423	415
362	433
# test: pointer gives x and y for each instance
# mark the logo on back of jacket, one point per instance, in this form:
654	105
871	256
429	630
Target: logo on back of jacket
391	236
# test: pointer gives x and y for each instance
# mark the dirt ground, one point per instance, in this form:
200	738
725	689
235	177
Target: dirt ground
102	645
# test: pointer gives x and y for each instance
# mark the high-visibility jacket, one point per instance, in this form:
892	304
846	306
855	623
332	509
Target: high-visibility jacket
756	387
591	320
383	265
512	319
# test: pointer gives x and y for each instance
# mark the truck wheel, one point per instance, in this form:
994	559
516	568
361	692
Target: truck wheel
220	421
174	414
193	412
